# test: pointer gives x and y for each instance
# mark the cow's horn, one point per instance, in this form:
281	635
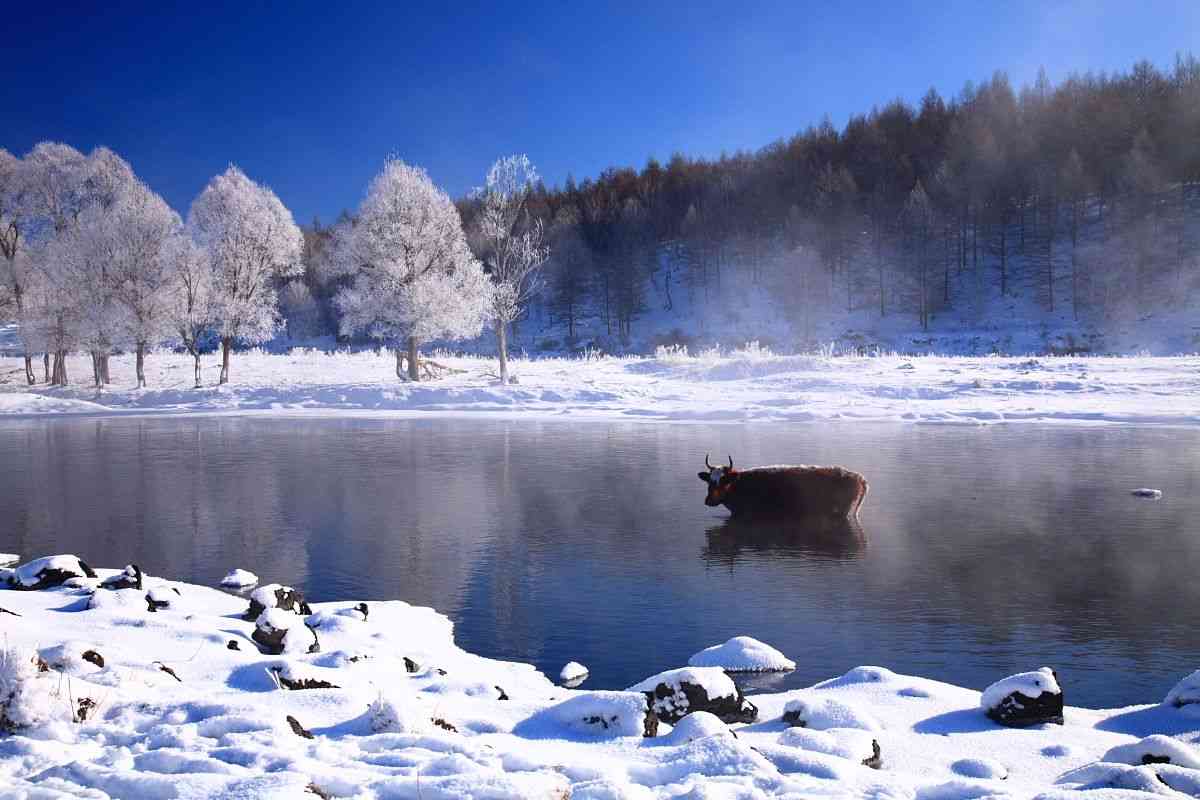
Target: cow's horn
710	466
731	462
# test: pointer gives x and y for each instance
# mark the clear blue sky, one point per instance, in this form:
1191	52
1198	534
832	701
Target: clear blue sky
310	98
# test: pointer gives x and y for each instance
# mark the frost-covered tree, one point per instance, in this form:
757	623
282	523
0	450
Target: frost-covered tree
190	309
138	235
513	245
413	275
16	268
253	242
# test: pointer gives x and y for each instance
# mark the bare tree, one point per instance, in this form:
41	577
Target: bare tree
513	243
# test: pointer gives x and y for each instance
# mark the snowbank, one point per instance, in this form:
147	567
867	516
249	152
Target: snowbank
239	579
743	654
138	704
734	387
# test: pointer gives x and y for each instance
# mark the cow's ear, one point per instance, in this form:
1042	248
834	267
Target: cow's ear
702	476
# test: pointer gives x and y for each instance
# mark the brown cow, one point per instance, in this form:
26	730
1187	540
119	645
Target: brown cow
785	490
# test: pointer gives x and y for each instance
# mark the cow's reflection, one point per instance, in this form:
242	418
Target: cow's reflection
797	537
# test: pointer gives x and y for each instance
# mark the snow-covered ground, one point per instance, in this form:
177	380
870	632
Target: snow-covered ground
744	385
134	703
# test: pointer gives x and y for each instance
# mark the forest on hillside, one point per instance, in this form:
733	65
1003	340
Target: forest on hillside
1079	196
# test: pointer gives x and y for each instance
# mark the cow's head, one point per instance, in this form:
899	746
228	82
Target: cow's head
719	479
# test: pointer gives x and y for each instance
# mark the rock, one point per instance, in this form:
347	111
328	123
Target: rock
410	665
1028	698
157	599
674	694
92	657
743	654
277	632
594	715
48	572
1157	749
572	674
875	760
232	645
239	579
299	729
275	596
128	578
1149	494
503	694
295	677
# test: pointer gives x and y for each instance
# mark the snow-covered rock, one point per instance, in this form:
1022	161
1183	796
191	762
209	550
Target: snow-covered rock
1184	693
239	579
129	578
983	768
1156	749
820	713
852	744
1149	494
695	725
276	631
44	573
275	596
1027	698
743	654
678	692
572	674
9	559
593	715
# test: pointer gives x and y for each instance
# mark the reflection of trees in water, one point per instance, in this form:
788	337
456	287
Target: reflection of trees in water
809	538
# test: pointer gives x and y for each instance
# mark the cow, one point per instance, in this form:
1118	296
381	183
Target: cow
785	490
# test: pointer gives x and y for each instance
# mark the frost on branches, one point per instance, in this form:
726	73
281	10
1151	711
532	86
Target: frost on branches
413	276
252	242
512	242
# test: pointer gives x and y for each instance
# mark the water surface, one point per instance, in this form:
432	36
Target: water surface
983	551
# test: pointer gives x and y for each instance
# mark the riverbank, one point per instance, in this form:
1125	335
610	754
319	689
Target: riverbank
741	386
134	703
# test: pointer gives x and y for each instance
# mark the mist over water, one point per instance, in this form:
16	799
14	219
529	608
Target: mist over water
982	551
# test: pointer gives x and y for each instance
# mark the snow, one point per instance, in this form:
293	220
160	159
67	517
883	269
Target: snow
729	387
572	672
222	730
239	578
1030	684
743	654
8	559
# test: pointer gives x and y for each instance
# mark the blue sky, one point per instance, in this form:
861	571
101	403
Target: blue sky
310	99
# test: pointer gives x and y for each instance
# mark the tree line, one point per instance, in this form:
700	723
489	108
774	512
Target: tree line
92	260
1081	196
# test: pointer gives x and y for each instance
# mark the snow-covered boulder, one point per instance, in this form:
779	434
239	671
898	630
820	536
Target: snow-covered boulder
858	746
822	713
275	596
678	692
743	654
1184	693
128	578
276	631
160	598
597	715
8	559
983	768
1157	749
396	713
695	725
572	674
239	579
295	676
1027	698
44	573
1149	494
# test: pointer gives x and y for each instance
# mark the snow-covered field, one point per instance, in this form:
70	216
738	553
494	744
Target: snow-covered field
132	703
743	385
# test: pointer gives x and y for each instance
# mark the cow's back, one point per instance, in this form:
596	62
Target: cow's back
799	490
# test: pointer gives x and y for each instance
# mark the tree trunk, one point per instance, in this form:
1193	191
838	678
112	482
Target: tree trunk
96	376
226	346
46	365
104	376
502	348
29	376
59	375
400	363
141	365
414	371
196	364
